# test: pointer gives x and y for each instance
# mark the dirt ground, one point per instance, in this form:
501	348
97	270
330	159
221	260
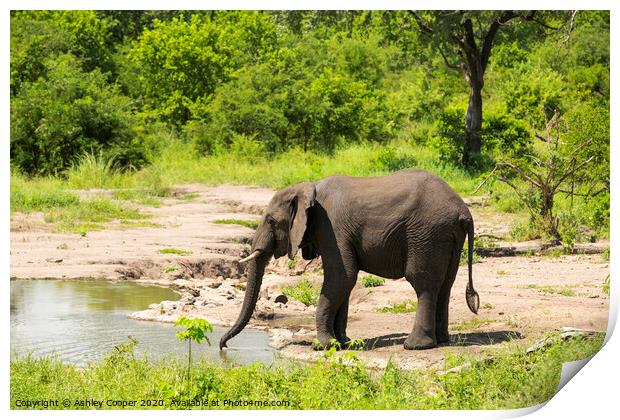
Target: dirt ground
522	297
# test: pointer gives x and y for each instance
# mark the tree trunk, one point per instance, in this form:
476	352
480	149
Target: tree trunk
473	123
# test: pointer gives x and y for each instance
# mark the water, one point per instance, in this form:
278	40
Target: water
81	321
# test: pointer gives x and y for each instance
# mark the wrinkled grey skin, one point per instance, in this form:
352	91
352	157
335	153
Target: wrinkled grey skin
408	224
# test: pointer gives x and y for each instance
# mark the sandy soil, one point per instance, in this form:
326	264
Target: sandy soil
522	298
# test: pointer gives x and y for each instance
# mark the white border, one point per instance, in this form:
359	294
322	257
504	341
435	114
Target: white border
591	394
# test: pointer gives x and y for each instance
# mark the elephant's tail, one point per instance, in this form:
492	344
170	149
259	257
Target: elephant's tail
471	296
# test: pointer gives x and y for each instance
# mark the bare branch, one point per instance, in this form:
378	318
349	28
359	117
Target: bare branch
521	173
513	186
572	171
485	180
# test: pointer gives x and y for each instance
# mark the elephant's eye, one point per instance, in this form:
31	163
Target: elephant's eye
271	220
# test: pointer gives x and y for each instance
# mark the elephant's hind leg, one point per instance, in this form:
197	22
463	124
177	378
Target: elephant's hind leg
427	280
443	300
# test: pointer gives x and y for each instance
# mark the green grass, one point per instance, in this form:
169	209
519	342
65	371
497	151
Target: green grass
139	224
138	196
605	285
305	292
472	324
89	215
177	163
551	289
408	305
175	251
372	281
252	224
513	379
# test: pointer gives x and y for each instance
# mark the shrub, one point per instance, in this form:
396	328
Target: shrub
372	281
305	292
501	135
54	120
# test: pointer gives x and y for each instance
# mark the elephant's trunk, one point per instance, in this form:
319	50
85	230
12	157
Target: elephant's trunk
256	269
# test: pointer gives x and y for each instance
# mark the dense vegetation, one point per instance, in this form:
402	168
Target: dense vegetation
509	378
145	98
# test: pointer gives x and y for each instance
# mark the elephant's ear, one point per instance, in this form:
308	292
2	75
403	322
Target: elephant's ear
300	205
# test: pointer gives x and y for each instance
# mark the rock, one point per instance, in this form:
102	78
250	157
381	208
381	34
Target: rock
168	305
154	306
54	260
280	337
194	292
281	299
264	314
214	284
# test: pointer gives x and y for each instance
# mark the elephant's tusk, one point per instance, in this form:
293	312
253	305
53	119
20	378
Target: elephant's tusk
250	257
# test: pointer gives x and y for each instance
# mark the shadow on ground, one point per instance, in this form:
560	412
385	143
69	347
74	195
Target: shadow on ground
458	340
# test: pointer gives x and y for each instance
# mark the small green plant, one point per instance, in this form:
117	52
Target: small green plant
356	344
305	292
372	281
252	224
551	289
195	330
470	325
63	246
169	268
405	306
605	286
140	224
175	251
605	254
488	306
501	272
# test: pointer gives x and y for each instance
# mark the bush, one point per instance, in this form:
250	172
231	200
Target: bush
502	135
372	281
55	120
305	292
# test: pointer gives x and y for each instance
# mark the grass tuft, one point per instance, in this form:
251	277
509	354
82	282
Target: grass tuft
252	224
372	281
408	305
512	379
175	251
305	292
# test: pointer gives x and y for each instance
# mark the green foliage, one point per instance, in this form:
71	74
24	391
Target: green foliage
55	120
272	98
502	135
183	61
550	289
407	305
175	251
252	224
372	281
605	285
513	379
195	329
304	291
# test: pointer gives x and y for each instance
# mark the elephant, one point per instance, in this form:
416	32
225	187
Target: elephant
408	224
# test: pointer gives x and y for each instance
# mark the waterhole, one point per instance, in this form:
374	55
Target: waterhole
80	321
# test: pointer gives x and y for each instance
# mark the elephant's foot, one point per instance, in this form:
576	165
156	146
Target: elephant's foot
419	343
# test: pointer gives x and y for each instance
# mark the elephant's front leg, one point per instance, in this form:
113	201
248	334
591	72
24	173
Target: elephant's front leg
332	309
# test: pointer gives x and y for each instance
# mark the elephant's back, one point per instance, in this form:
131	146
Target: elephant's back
408	187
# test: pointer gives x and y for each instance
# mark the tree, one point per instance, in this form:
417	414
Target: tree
547	174
464	39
